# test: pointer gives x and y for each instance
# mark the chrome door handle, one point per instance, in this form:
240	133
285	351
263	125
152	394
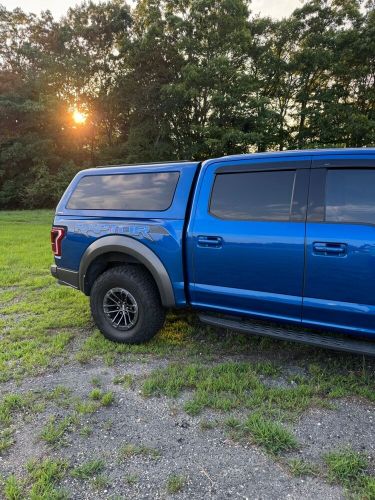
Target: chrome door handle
210	241
328	248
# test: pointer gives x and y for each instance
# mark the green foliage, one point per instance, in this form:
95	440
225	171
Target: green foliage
271	435
130	450
88	469
44	477
175	483
41	482
300	467
55	430
176	79
13	488
345	466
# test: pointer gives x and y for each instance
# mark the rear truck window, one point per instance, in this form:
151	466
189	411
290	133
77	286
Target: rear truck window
143	192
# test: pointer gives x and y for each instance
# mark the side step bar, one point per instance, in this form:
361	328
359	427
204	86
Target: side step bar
285	333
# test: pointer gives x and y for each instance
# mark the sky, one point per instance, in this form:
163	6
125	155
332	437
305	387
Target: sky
273	8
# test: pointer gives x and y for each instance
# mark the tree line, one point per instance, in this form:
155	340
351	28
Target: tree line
176	79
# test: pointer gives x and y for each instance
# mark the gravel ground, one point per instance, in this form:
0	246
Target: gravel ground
213	465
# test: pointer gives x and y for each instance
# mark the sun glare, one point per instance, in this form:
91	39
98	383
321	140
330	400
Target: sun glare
79	117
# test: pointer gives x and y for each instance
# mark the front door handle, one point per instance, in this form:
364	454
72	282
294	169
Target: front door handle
328	248
210	241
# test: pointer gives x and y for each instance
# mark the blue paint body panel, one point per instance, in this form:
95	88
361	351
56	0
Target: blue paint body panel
265	269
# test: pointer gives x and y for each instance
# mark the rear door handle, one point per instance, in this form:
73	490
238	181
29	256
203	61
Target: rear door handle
210	241
327	248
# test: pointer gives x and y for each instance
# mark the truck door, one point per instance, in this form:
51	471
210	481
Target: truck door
340	245
246	237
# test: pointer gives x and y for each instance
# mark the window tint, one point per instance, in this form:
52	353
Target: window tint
253	195
146	191
350	196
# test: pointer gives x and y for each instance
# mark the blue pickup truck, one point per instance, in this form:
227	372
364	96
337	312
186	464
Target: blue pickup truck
279	244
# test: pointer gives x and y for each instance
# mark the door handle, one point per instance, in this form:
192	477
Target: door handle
210	241
327	248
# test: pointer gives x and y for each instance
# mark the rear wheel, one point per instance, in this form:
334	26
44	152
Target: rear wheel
126	306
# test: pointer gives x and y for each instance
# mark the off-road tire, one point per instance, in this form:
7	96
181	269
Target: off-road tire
137	281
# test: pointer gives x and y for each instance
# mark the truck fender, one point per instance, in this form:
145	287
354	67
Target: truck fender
136	249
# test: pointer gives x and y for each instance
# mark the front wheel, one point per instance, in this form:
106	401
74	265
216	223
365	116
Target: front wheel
125	305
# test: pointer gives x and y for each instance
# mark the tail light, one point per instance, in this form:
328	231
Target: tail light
57	234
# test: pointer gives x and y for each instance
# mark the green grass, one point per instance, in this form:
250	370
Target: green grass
230	385
37	318
131	479
96	394
348	468
130	450
175	483
44	477
125	380
270	435
40	483
366	488
345	466
55	431
6	440
222	386
300	468
13	488
12	404
107	399
88	469
100	482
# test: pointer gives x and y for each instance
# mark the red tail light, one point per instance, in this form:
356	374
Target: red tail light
57	234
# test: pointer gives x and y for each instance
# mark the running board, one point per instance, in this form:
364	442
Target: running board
285	333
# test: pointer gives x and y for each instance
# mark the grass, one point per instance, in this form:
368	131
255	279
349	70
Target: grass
6	440
345	466
270	435
86	431
348	468
130	450
125	380
88	469
100	482
175	483
131	479
300	468
37	318
55	431
13	488
40	483
230	385
222	386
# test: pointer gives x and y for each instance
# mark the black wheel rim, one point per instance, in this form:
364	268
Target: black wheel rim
120	308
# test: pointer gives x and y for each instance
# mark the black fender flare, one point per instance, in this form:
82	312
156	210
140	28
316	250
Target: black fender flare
136	249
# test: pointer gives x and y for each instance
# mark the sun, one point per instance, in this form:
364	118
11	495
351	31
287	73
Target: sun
79	117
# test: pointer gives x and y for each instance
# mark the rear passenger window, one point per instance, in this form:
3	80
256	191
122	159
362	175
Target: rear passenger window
253	195
146	191
350	196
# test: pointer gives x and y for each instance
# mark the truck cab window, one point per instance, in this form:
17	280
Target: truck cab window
253	195
350	195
